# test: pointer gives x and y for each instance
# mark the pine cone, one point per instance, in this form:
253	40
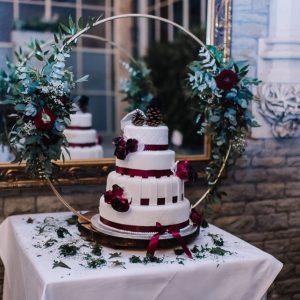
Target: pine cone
138	119
154	117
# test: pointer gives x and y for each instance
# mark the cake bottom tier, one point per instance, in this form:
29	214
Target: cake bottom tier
93	152
144	218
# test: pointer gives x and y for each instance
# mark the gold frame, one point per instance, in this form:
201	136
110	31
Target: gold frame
92	172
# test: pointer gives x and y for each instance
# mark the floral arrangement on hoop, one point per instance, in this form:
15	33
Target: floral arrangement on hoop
224	94
42	101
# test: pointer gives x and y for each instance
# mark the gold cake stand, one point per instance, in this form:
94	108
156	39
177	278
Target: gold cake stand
118	240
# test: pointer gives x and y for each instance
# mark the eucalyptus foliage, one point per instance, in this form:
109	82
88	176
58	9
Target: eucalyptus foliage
223	106
42	102
138	87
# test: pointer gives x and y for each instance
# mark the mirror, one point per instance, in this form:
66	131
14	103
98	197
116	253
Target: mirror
154	42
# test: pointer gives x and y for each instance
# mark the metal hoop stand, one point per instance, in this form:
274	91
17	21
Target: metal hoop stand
87	222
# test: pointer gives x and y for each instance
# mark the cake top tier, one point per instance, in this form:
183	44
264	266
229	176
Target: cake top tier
147	135
80	119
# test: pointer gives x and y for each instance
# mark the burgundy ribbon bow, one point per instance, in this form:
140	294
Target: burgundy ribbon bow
174	230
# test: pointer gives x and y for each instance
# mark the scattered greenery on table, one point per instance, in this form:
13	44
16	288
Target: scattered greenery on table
90	255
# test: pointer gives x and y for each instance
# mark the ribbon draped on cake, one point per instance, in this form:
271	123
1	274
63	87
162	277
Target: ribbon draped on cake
174	230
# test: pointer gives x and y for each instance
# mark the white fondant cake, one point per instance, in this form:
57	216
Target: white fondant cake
149	187
83	141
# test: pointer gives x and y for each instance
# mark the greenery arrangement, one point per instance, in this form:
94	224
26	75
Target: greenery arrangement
224	94
138	88
41	98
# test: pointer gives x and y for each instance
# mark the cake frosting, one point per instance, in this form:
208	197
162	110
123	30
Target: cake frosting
82	139
146	184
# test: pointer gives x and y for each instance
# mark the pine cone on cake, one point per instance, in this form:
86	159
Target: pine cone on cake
138	119
154	117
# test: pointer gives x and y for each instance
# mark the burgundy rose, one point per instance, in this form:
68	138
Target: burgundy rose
120	152
108	196
132	145
44	120
117	190
196	217
119	142
226	80
182	170
120	204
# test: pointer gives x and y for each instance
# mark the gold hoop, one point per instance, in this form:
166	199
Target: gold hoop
109	19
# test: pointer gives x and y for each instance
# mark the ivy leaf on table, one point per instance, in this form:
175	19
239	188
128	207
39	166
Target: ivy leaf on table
29	220
217	239
50	243
96	262
115	255
135	259
97	250
117	263
62	232
73	220
68	250
60	264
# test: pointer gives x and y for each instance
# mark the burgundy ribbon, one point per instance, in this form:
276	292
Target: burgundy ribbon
155	147
79	127
143	173
138	228
174	230
82	145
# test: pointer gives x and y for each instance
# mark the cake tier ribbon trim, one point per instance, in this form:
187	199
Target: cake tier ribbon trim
175	231
155	147
82	145
79	127
143	173
138	228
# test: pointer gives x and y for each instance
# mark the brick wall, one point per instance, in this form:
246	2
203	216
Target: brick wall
263	203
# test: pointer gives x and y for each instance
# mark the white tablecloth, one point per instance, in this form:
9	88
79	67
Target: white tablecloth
243	274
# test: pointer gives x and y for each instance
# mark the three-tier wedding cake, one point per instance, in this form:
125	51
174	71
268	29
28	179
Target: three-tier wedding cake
144	190
82	138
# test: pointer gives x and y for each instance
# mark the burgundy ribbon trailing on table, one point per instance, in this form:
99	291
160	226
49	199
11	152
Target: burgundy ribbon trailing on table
143	173
174	230
155	147
79	127
138	228
82	145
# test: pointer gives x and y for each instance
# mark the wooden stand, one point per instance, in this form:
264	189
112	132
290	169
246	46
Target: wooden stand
90	234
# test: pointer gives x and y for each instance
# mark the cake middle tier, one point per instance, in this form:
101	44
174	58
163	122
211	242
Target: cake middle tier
148	191
148	160
79	137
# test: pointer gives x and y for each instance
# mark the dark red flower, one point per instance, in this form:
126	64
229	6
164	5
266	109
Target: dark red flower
44	120
132	145
124	147
120	204
119	142
108	196
117	190
182	170
196	217
226	80
186	172
121	152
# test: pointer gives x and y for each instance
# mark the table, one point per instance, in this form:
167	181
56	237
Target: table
29	245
